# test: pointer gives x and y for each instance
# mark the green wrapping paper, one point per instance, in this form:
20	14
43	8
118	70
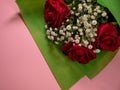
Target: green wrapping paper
113	6
65	71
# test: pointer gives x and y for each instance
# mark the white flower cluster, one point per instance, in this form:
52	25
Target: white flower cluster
81	27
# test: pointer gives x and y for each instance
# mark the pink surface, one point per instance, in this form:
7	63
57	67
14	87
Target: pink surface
22	66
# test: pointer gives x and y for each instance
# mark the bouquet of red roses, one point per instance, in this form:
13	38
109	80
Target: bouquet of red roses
86	31
81	27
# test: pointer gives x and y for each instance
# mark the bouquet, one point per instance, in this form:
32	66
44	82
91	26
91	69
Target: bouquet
76	37
83	27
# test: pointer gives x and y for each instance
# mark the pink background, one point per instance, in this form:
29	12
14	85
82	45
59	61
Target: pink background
22	66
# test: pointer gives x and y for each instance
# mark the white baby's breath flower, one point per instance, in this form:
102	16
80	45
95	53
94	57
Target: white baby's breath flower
61	31
67	20
46	26
56	34
56	42
52	38
89	0
58	39
51	29
68	34
65	41
104	14
94	22
85	23
92	17
77	36
77	41
97	7
56	29
89	7
90	46
90	10
80	7
95	10
99	11
88	25
63	23
83	1
81	33
79	23
94	29
84	18
68	27
88	30
93	39
75	27
64	29
85	42
95	34
77	14
74	8
80	30
63	34
53	33
91	35
79	44
95	13
48	37
70	39
72	12
48	32
62	38
96	51
84	4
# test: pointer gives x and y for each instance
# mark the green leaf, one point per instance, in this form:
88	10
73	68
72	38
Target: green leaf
65	71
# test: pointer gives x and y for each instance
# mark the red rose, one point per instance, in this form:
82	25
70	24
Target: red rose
108	38
81	54
66	47
56	11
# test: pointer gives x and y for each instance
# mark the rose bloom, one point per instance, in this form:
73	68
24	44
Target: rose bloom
81	54
66	47
56	11
108	38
